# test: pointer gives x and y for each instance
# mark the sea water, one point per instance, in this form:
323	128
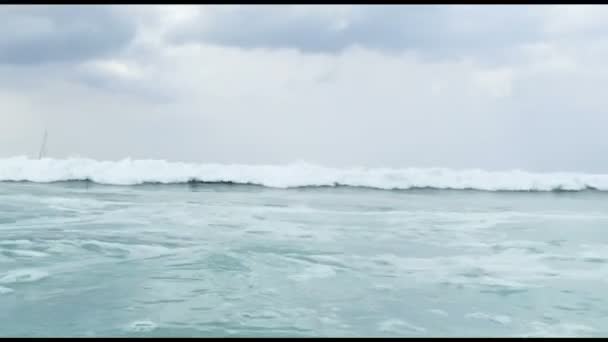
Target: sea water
151	248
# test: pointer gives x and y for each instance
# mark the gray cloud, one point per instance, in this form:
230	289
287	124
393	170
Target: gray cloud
39	34
429	29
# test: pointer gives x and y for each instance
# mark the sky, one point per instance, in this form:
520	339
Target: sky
490	87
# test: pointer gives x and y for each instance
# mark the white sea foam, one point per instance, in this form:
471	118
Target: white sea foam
23	253
500	319
5	290
399	327
22	276
131	172
315	272
541	329
439	312
142	326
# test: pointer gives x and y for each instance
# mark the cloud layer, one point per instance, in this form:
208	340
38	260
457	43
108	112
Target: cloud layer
35	34
452	86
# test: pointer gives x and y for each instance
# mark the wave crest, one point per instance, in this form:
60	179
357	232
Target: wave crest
133	172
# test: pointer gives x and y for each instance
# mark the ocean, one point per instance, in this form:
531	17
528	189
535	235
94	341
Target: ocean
154	248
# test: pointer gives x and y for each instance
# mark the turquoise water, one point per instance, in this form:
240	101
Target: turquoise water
81	259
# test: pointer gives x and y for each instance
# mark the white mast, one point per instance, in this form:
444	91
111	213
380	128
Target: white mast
43	147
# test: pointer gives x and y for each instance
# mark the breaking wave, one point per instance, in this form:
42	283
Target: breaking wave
296	175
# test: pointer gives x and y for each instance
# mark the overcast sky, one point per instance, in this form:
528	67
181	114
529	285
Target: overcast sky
493	87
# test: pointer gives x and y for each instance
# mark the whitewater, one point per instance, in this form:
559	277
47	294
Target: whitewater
157	248
133	172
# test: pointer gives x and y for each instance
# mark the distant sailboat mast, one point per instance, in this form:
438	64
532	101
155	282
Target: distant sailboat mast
43	146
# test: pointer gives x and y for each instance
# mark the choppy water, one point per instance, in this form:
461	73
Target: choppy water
81	259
